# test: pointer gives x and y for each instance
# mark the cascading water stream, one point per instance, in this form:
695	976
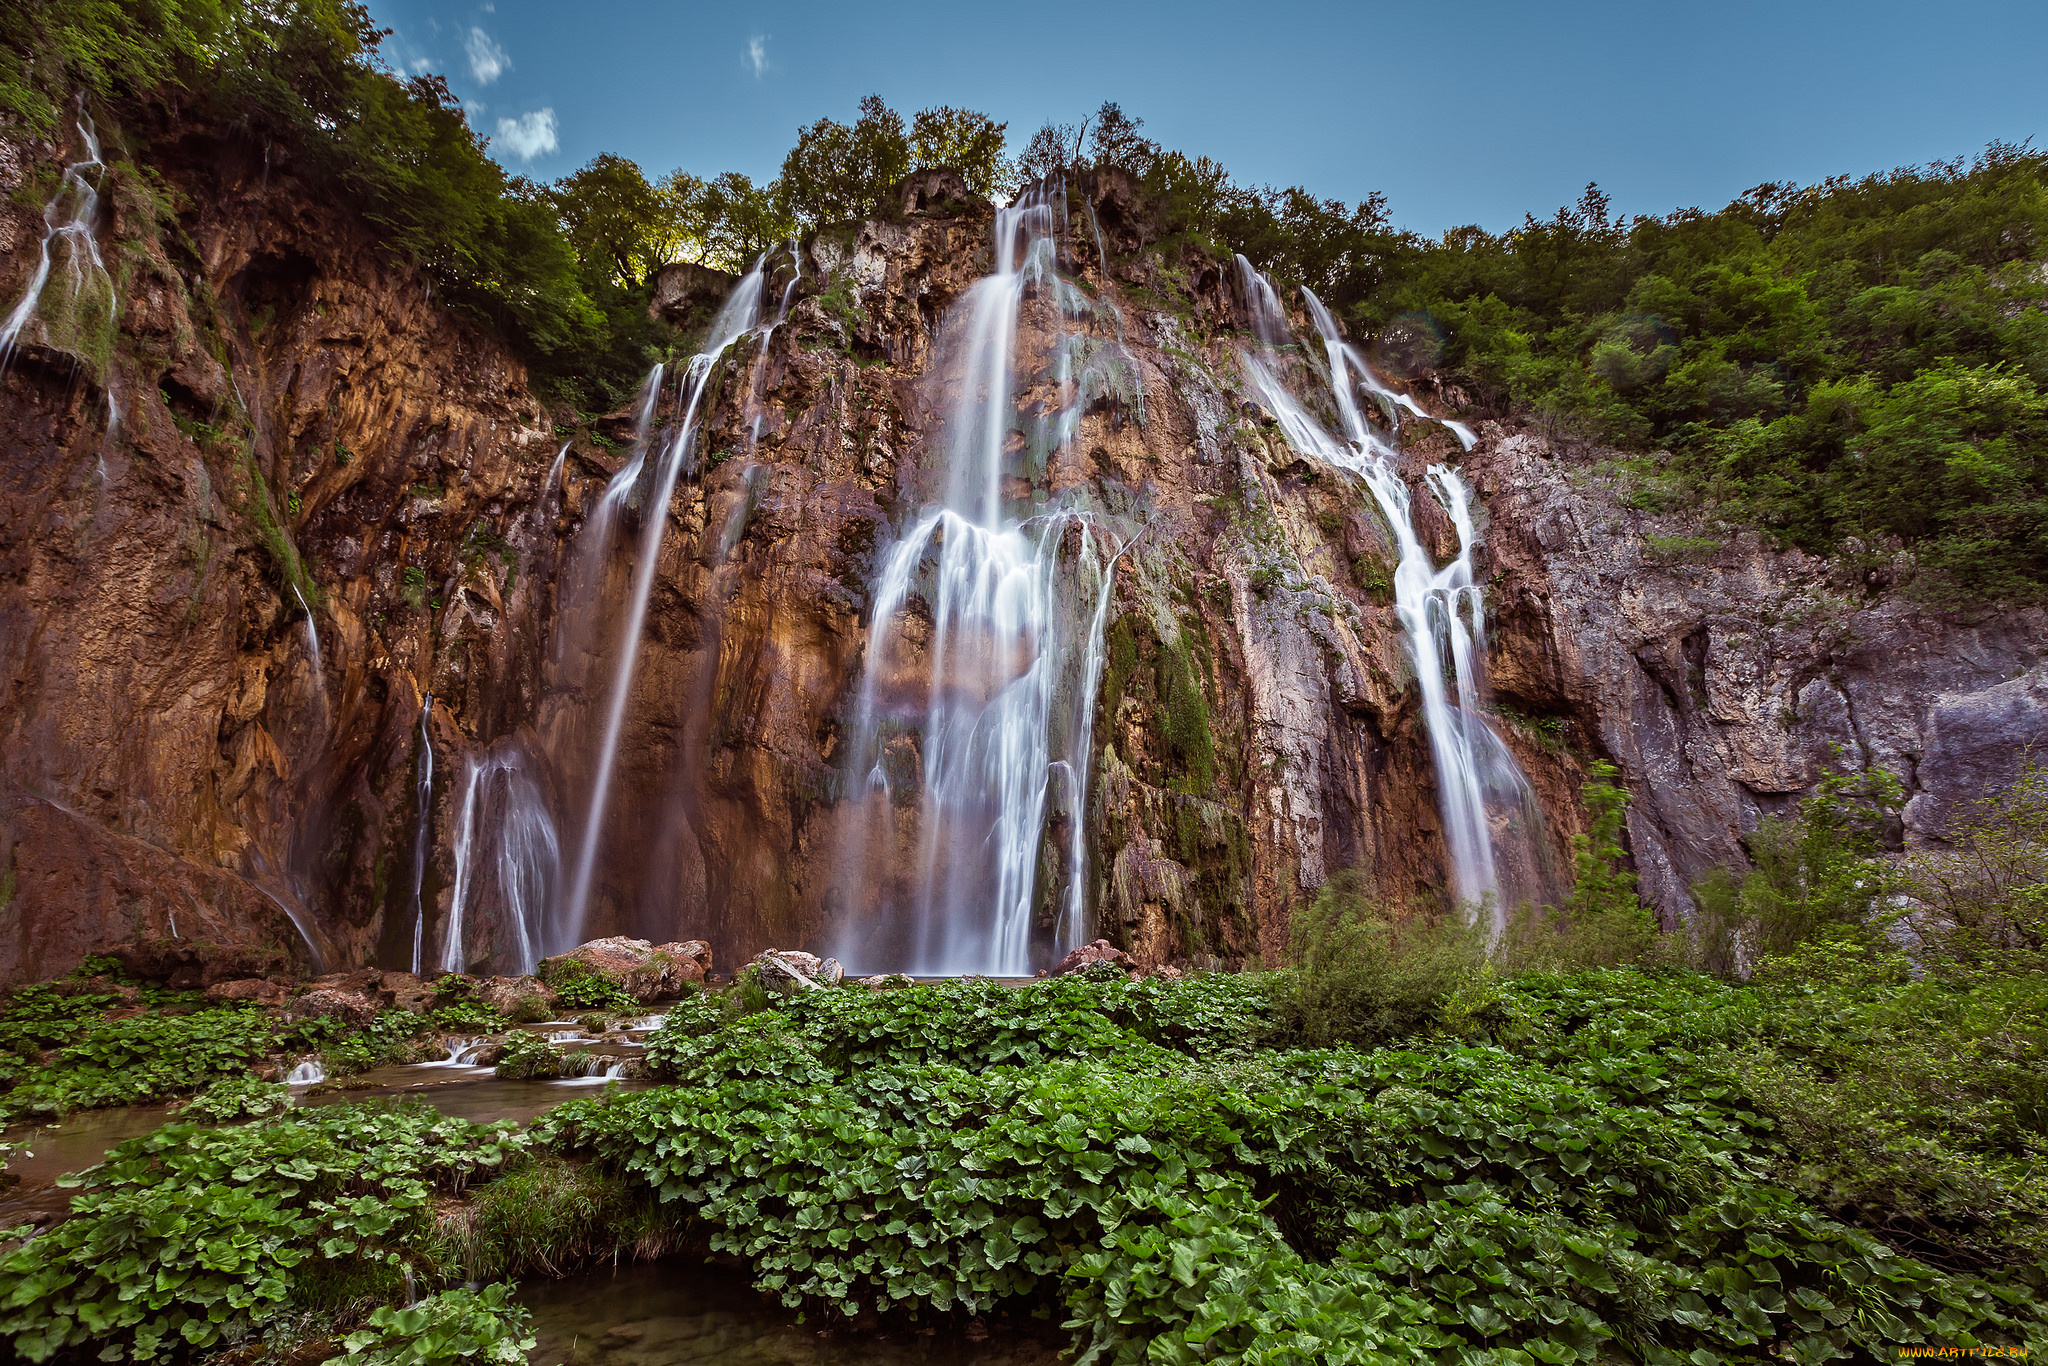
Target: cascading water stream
68	220
735	319
1006	646
424	799
313	654
1442	610
504	838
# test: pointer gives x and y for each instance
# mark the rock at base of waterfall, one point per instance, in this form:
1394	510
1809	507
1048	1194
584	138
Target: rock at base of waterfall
189	964
790	970
1088	955
888	981
648	972
257	989
331	1003
522	1000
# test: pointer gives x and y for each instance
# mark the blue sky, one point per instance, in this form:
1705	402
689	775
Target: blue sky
1462	112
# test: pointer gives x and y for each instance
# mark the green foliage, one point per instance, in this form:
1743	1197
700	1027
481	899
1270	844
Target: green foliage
970	143
1599	1184
191	1238
1366	978
547	1216
1603	923
1813	872
1988	890
454	1326
1856	365
578	987
127	1062
836	172
528	1057
394	1036
239	1098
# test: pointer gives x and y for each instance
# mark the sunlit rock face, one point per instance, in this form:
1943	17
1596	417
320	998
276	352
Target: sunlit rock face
291	452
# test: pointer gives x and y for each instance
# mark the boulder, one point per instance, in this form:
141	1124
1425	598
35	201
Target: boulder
936	190
647	972
185	964
260	990
526	1000
685	289
334	1003
785	971
1088	955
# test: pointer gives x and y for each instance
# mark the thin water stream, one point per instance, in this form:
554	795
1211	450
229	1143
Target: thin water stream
1442	609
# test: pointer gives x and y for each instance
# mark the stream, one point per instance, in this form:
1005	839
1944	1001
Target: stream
82	1138
678	1311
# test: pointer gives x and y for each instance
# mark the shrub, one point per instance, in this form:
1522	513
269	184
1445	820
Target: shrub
1812	871
1363	977
528	1057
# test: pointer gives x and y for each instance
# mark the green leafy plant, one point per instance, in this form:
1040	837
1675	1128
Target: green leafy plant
528	1057
238	1098
191	1238
454	1326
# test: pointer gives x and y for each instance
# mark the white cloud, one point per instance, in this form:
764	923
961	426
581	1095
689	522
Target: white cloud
530	135
755	58
487	61
422	65
474	108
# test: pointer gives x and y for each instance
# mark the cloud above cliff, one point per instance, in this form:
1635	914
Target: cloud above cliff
531	135
487	61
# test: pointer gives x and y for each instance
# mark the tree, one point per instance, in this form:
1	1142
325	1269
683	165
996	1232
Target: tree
970	143
1117	143
835	172
611	213
741	220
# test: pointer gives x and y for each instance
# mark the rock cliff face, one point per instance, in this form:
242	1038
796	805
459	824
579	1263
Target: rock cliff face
310	451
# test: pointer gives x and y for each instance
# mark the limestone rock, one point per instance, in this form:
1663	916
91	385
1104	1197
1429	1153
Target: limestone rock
646	971
332	1003
790	970
1088	955
257	989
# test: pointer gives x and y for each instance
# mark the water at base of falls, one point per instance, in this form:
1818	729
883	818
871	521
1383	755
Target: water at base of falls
1442	609
990	730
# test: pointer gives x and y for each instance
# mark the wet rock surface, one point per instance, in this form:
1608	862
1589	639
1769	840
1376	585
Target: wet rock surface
308	440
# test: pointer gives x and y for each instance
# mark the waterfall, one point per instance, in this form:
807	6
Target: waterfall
504	843
1009	641
735	319
424	800
69	219
1442	610
313	652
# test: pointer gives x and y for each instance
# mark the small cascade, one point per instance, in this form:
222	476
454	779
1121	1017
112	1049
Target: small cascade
423	800
313	653
462	1053
735	319
554	476
590	1069
309	1072
68	222
1442	610
506	855
1014	656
